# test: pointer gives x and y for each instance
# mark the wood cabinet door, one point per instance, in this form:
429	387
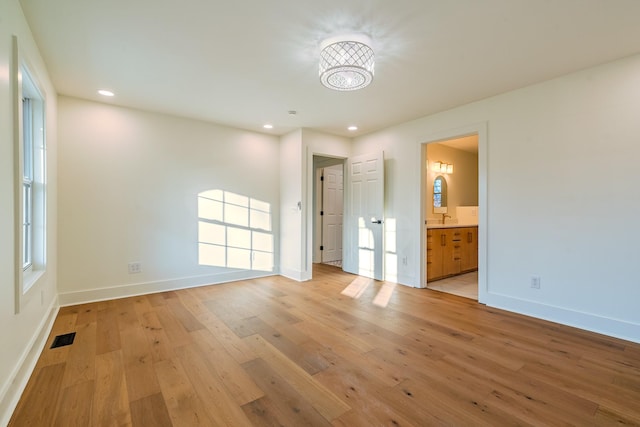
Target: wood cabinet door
469	261
451	253
435	245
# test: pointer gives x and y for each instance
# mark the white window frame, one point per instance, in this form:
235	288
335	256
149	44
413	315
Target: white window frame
30	179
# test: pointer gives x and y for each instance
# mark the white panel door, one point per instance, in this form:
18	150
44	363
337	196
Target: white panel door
332	202
364	225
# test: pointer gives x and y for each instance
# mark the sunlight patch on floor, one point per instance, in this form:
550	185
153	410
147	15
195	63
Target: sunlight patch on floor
384	294
357	287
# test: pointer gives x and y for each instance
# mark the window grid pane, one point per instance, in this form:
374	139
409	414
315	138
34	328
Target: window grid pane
27	212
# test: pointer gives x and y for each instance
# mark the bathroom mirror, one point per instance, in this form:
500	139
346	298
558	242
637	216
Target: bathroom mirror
440	195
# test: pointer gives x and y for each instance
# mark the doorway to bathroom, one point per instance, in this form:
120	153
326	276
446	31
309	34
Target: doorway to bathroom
451	212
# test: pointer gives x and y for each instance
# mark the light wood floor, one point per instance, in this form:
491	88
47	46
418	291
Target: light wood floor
271	352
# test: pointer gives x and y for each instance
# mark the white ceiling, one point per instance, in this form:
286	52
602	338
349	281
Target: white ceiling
245	63
465	143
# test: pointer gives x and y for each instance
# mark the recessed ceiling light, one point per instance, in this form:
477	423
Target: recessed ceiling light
104	92
268	126
352	128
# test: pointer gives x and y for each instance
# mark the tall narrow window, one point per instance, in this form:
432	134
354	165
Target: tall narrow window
33	172
27	183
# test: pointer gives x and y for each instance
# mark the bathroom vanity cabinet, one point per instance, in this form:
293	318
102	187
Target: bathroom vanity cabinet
451	250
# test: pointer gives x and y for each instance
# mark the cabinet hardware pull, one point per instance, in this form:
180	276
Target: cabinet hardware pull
456	259
469	237
443	241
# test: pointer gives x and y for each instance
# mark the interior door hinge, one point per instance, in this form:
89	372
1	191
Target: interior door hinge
321	213
322	178
322	248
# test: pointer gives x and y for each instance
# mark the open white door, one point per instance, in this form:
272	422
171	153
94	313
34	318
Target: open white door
332	213
364	225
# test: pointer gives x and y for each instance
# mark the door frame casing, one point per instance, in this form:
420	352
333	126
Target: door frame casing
318	166
479	129
308	213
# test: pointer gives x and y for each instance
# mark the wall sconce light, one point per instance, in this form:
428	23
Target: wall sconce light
442	167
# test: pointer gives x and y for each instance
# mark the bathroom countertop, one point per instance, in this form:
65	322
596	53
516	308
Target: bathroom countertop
450	225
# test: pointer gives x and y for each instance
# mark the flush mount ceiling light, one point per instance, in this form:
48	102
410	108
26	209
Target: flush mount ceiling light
346	62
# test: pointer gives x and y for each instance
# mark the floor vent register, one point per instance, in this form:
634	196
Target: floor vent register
62	340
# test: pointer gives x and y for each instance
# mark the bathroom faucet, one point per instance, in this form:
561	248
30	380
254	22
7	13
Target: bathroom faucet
444	216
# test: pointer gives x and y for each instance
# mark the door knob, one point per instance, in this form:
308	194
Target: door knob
375	221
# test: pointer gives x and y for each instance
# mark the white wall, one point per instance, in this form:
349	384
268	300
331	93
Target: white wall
297	150
317	144
129	184
563	197
23	334
291	205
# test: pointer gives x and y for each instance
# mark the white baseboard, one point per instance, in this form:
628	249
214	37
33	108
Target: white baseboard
135	289
602	325
13	387
297	275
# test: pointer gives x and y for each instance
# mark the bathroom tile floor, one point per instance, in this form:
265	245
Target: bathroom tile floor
465	285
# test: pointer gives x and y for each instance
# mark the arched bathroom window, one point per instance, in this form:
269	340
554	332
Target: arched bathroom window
439	193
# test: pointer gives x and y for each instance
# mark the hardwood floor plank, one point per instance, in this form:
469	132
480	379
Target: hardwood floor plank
606	416
310	361
156	299
110	398
108	336
537	398
138	364
75	405
184	316
231	342
221	407
87	313
39	403
150	411
127	315
273	351
173	328
183	403
283	403
225	370
81	356
160	345
615	398
323	400
363	391
65	323
457	403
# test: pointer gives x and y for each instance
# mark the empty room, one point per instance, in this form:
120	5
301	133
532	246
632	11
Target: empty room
295	213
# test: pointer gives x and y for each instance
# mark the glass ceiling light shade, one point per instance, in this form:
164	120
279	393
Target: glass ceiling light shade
346	62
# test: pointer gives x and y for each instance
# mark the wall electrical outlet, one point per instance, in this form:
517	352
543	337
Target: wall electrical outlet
535	282
134	267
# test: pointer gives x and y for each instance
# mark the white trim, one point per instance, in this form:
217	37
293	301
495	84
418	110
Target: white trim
590	322
14	386
298	276
481	129
308	179
135	289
